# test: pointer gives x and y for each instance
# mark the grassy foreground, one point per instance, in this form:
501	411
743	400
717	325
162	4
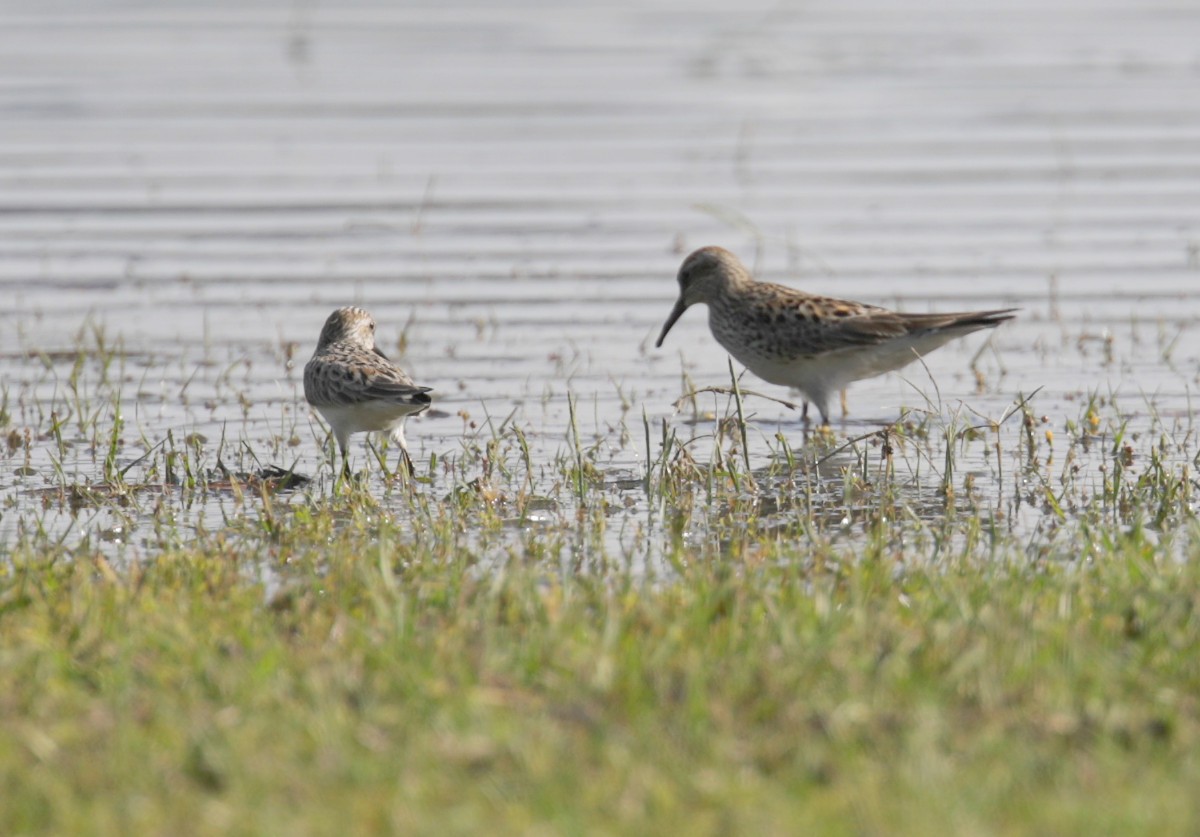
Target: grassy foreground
388	687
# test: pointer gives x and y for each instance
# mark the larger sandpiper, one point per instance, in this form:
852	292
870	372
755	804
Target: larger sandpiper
814	344
355	387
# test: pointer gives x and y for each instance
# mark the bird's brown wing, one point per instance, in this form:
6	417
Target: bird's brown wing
347	382
792	323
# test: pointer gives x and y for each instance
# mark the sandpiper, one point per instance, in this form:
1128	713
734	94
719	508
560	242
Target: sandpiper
814	344
355	387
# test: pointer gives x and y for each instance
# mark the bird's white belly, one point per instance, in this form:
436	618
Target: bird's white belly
813	377
368	417
836	369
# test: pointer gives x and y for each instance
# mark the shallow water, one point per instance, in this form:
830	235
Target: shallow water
510	192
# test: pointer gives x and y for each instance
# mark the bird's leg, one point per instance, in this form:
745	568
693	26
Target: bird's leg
343	474
406	461
804	414
845	409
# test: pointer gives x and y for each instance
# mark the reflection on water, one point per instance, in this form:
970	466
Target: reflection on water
187	196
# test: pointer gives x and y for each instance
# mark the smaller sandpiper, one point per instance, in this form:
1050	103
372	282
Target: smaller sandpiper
355	387
814	344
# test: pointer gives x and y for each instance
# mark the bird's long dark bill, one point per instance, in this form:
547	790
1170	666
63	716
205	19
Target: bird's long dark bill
676	313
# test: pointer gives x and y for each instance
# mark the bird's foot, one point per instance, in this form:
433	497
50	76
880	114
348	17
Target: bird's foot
405	470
